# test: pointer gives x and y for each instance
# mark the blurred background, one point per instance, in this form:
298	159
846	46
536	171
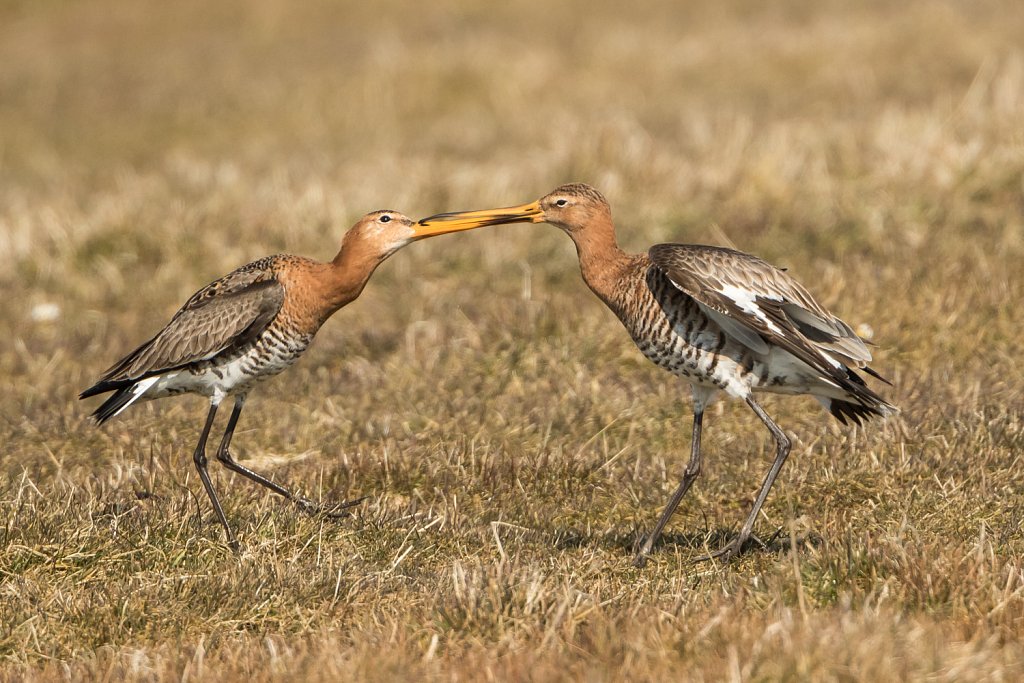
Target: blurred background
876	149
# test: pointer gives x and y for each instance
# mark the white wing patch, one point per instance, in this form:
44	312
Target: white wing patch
746	300
743	298
831	361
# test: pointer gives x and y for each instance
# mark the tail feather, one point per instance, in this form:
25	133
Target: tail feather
848	412
860	403
855	412
113	405
124	395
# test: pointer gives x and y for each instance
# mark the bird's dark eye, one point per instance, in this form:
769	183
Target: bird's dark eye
385	218
561	202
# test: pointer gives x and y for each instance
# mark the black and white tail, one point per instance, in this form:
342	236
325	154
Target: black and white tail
125	394
863	405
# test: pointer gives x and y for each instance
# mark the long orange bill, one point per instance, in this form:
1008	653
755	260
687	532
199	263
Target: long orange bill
467	220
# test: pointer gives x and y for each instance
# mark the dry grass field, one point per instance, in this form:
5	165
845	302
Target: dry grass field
513	444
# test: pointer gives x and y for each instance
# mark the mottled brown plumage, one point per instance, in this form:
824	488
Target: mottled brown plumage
718	318
248	326
703	273
227	314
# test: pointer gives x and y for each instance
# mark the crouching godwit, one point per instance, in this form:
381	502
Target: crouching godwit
720	319
248	326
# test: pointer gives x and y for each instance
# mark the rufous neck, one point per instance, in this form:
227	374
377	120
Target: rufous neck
349	272
601	259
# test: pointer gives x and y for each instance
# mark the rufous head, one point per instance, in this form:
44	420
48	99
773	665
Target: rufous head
570	207
386	231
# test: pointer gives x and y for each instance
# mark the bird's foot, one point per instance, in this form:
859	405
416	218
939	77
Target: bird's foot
736	547
331	511
231	540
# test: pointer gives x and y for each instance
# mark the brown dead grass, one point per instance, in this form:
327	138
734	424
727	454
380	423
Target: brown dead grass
513	444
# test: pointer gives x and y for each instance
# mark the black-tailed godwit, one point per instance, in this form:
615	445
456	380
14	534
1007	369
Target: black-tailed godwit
720	319
248	326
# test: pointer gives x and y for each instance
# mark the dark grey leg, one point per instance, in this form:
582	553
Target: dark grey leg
199	457
689	476
224	455
782	448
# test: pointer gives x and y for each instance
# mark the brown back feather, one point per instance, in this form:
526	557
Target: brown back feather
703	272
226	314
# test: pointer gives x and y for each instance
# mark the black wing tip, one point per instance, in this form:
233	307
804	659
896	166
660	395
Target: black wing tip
94	390
113	405
874	373
851	412
865	403
104	386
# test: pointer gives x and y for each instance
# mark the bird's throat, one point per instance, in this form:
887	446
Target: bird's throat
601	260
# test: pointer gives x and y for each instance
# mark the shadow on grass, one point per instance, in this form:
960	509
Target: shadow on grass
630	541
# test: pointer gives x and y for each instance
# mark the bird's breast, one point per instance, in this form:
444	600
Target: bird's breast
272	352
673	332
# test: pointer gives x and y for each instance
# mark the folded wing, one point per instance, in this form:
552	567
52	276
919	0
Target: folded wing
761	306
227	314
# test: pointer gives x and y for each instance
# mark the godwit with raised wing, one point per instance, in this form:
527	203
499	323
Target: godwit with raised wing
720	319
250	325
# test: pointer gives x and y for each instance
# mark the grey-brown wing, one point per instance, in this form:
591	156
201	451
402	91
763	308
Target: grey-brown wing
758	304
226	314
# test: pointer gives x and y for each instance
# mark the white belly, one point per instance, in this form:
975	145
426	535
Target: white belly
777	371
224	377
